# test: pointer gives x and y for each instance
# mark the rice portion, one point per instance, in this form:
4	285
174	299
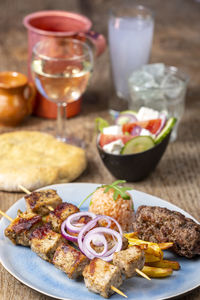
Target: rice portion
121	210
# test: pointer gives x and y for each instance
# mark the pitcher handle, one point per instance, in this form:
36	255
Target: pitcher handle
98	41
31	98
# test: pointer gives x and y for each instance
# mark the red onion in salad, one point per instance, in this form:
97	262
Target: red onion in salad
125	118
163	118
136	130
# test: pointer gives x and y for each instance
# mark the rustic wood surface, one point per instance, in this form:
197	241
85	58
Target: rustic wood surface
176	42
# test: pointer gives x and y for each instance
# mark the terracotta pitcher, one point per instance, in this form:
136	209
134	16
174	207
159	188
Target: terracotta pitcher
16	98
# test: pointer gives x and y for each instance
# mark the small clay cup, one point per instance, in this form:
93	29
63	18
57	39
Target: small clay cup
16	98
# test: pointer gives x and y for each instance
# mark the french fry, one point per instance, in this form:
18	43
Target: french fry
164	246
149	258
152	249
164	264
157	272
130	235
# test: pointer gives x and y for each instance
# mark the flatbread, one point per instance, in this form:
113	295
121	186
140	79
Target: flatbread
34	159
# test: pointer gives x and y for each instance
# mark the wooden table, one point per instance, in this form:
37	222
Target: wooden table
176	42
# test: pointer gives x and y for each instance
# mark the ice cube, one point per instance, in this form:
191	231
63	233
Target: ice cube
172	86
156	70
140	80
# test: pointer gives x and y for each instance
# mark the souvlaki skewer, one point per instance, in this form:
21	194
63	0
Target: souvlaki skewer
69	259
62	212
26	230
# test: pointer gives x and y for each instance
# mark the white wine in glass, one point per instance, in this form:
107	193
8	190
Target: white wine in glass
61	70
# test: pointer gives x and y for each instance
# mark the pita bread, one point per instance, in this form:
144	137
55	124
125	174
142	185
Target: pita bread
34	159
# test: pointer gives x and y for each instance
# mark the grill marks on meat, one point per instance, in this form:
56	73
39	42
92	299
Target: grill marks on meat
157	224
99	276
61	212
38	202
44	242
20	230
70	260
128	260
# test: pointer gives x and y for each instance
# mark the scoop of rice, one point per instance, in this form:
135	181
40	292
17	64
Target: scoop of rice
121	210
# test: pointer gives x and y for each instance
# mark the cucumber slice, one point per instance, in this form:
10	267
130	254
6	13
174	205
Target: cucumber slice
166	130
138	144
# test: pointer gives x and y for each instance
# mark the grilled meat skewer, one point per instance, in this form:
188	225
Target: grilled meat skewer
129	260
60	213
20	229
100	276
50	246
42	202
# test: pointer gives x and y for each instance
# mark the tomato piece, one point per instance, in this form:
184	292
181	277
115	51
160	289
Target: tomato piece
154	125
151	125
128	127
108	138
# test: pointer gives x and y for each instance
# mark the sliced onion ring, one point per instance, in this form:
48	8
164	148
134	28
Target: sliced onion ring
75	217
105	254
88	250
66	235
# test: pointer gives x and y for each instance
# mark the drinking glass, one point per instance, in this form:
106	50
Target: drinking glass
130	38
61	69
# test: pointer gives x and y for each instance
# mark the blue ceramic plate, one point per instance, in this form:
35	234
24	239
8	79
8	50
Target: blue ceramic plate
42	276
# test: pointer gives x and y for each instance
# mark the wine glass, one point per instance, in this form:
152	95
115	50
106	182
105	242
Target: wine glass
61	70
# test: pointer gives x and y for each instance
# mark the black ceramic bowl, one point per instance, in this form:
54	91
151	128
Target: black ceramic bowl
134	167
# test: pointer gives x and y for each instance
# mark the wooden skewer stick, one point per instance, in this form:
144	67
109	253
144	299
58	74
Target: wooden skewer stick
24	189
142	274
28	192
6	216
118	291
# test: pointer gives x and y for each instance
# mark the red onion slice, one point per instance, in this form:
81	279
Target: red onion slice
105	254
88	250
163	118
76	227
66	235
136	130
125	118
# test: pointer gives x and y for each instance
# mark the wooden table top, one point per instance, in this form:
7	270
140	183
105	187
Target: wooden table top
176	42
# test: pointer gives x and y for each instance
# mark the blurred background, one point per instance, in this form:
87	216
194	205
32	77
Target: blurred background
176	38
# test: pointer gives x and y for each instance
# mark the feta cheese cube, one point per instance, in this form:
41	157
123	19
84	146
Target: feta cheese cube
146	113
114	130
114	147
145	132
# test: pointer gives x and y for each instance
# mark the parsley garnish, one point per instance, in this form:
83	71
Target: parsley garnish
118	190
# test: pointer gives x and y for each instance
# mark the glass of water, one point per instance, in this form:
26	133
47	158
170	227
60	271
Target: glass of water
61	69
159	87
130	38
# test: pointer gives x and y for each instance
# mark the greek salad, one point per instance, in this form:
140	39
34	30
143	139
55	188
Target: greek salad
134	132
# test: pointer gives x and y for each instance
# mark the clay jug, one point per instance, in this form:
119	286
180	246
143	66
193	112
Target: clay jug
16	98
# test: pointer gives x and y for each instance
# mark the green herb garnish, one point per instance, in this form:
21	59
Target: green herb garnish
100	124
118	190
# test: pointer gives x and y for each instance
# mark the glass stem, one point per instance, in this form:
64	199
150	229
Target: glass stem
61	117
